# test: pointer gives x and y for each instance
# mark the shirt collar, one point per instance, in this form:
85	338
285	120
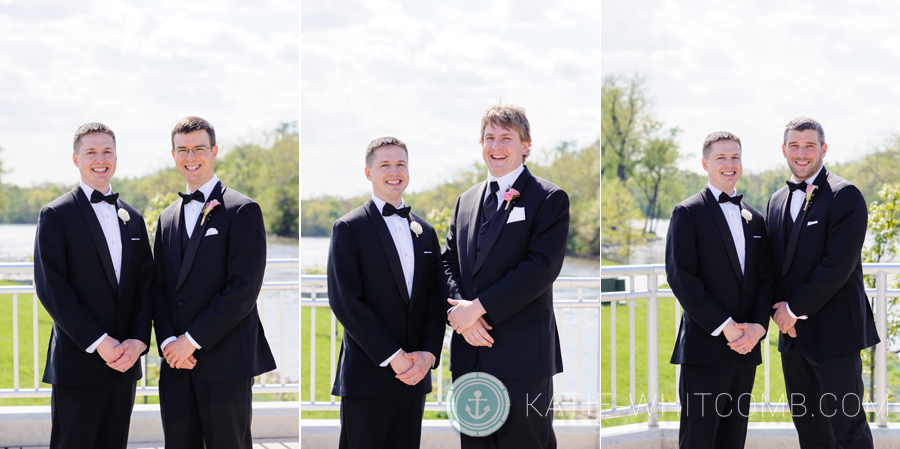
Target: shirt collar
812	179
506	181
206	189
379	203
88	190
716	192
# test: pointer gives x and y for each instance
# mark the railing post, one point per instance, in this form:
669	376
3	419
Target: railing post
653	351
881	408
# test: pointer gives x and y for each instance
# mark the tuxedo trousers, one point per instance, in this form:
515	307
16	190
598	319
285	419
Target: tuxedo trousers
195	412
530	421
382	423
715	404
825	397
91	417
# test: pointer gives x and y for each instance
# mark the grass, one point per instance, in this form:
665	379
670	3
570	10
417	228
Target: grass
607	263
667	391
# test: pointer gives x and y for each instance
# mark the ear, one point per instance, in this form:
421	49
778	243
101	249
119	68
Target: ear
703	163
824	149
784	151
368	175
525	147
215	151
75	159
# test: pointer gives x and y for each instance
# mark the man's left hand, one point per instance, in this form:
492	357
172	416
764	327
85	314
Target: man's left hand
422	362
752	333
178	351
782	318
131	353
465	313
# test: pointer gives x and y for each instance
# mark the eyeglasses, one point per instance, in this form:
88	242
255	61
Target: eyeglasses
198	151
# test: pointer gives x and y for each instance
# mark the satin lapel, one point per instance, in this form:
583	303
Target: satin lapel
173	235
799	223
390	250
97	235
499	221
724	231
748	245
777	232
417	271
198	233
473	224
126	245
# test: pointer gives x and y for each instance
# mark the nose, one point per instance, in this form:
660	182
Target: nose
191	155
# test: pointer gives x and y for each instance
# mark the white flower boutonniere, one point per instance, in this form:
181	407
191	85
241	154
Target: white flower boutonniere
746	215
415	227
123	214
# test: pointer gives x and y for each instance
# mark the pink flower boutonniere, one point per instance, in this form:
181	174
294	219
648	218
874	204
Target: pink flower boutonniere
510	195
809	194
207	208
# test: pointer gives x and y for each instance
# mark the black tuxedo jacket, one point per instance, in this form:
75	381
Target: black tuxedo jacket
368	295
818	268
76	282
212	292
704	272
512	273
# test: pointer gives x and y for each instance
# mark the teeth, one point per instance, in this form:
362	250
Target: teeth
498	157
394	182
100	170
191	168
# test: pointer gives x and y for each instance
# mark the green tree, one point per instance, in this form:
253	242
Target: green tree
440	219
620	212
156	205
656	167
625	122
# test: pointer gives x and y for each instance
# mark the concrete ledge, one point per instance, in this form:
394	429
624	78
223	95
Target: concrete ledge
440	434
759	436
30	425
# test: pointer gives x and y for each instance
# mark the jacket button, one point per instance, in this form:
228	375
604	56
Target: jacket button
481	231
478	249
475	289
181	303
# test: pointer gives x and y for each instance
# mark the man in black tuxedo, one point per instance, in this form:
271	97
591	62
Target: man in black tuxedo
92	273
384	287
718	266
210	252
502	257
821	308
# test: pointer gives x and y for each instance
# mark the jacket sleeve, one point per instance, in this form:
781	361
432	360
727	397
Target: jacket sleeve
162	321
765	277
450	262
140	322
433	338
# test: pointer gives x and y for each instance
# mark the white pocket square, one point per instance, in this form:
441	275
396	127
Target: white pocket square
757	236
135	238
211	231
812	223
517	214
427	252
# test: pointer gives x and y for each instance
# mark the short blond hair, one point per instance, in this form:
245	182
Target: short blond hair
508	116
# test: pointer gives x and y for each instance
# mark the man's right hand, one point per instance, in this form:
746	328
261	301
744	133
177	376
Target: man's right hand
731	332
401	364
477	334
109	350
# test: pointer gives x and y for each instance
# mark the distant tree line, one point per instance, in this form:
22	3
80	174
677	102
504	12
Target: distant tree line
266	169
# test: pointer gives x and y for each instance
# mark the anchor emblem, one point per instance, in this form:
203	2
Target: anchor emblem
477	415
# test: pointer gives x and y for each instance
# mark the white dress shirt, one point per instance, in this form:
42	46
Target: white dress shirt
109	223
505	182
191	215
797	200
733	218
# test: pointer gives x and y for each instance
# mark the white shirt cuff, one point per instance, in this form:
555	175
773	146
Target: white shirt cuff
721	328
788	307
388	361
93	347
450	310
188	335
167	341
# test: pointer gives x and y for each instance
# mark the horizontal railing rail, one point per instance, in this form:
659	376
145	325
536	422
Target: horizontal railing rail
316	287
267	383
651	274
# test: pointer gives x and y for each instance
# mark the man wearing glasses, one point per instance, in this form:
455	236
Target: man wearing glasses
210	253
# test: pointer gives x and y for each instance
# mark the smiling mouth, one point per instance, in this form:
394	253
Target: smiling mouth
728	173
498	157
100	170
192	167
393	182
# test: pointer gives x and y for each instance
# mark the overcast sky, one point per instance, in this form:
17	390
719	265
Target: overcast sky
425	72
750	67
139	67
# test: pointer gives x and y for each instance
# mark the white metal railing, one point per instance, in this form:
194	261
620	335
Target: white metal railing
652	273
263	384
316	286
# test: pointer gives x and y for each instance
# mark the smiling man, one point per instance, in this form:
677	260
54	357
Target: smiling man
210	252
92	273
505	247
818	226
718	266
384	287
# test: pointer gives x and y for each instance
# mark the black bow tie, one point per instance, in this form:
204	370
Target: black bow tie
736	200
797	185
97	197
188	197
389	210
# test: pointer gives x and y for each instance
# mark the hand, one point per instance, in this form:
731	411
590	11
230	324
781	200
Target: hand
188	363
782	318
478	335
131	350
752	333
177	351
108	349
400	364
421	363
732	332
792	332
465	314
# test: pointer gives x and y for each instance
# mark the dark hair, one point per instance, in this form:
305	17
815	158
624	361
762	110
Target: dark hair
383	142
715	137
191	124
89	128
802	124
508	116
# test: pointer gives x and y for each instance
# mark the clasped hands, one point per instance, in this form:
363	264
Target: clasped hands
466	319
784	320
742	337
120	356
179	353
411	367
